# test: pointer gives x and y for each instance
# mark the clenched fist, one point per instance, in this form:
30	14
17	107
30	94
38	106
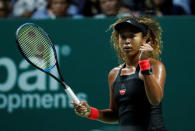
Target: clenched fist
82	109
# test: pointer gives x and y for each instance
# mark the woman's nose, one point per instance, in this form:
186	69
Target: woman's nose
128	40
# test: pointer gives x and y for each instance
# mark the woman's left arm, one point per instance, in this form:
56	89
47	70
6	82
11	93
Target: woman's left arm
154	83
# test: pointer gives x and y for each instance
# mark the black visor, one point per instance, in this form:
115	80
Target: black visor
134	23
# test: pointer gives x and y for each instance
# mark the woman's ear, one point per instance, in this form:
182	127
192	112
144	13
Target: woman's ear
148	40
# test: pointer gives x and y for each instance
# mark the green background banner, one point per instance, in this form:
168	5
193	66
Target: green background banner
32	101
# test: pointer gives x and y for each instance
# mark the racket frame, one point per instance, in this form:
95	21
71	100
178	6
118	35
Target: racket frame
61	80
55	54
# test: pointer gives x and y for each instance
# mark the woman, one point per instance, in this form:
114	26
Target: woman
136	86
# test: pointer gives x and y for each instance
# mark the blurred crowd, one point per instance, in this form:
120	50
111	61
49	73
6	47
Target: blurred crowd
51	9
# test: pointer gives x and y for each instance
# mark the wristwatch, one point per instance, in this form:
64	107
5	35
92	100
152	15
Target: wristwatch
147	72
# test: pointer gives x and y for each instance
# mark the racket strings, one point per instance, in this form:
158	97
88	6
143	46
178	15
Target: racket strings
36	46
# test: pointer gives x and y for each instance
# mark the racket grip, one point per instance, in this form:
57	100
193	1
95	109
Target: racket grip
72	95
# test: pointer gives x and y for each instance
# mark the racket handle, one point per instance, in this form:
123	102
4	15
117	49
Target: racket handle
72	95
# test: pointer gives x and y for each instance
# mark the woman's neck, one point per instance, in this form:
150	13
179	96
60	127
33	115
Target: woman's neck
132	60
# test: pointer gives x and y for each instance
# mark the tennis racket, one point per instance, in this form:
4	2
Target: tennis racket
37	48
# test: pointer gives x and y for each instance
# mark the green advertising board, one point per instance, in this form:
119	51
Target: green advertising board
31	100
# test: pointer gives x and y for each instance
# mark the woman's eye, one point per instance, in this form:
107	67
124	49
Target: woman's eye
123	37
131	35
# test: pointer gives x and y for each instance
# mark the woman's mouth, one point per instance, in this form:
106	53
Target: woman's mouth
127	48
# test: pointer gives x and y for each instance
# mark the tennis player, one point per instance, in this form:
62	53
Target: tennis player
137	85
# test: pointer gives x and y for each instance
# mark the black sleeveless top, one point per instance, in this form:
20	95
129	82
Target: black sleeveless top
135	111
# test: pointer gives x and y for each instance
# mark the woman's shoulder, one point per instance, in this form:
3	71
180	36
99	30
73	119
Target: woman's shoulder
113	73
115	70
156	63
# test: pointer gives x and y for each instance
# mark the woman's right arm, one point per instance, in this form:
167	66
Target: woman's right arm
106	115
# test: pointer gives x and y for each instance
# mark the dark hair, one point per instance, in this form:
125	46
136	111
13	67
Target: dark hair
154	34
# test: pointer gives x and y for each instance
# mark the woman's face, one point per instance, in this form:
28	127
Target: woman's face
130	40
